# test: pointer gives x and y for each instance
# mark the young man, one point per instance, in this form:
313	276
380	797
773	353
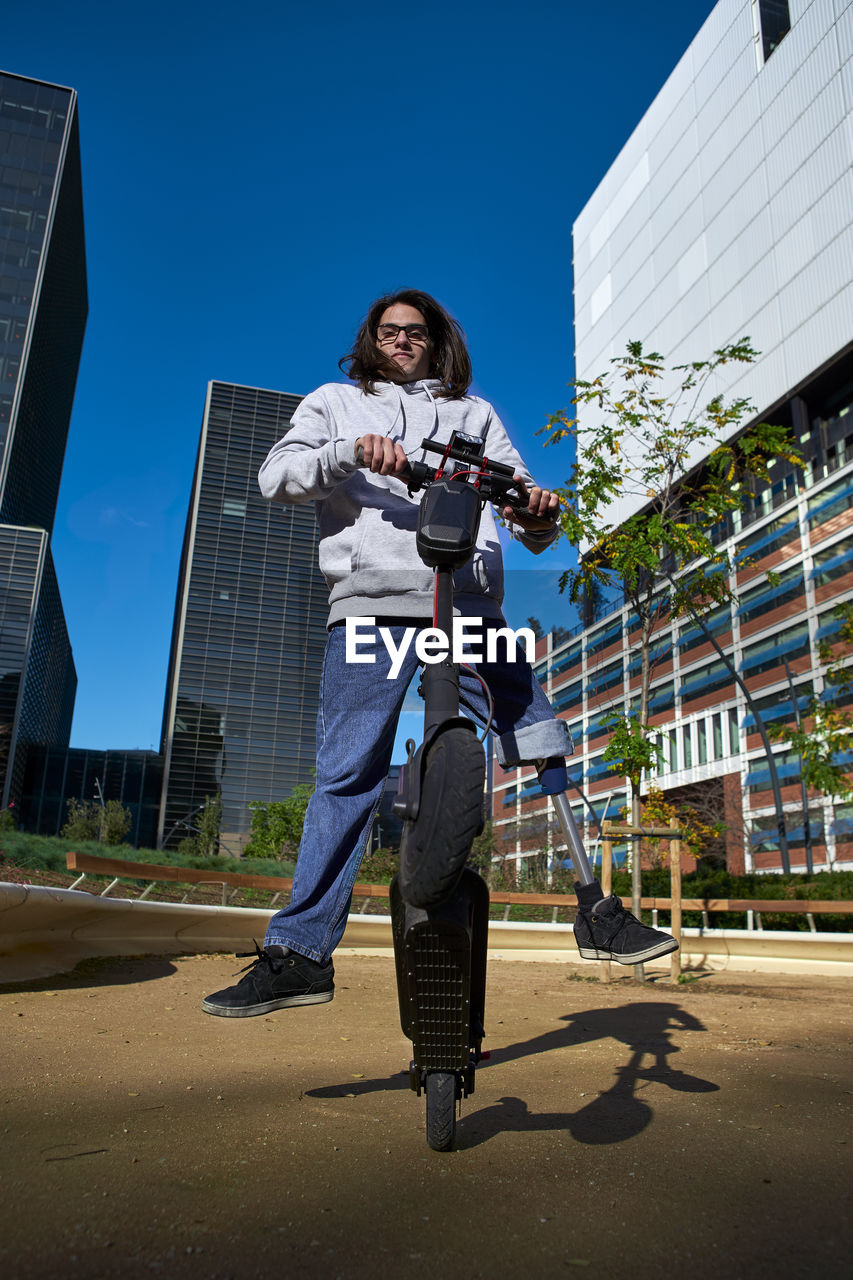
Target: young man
346	449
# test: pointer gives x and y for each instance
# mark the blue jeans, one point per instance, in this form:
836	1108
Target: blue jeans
356	727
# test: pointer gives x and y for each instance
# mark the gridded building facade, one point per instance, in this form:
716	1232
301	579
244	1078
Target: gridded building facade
799	528
249	632
43	296
43	308
55	775
37	677
729	211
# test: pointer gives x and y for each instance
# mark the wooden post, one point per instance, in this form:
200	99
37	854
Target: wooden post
606	866
675	896
606	885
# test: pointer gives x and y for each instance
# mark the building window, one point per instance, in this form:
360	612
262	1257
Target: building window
716	623
769	653
686	747
604	638
563	661
704	680
774	21
668	752
832	501
662	698
567	697
766	596
778	533
606	678
734	735
717	732
832	562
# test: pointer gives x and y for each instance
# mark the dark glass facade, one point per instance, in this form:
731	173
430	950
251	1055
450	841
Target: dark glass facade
43	308
43	297
55	775
37	676
249	631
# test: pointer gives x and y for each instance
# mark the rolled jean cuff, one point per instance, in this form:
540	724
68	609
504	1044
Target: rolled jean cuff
533	742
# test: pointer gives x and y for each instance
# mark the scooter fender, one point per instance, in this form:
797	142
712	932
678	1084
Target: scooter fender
410	781
440	957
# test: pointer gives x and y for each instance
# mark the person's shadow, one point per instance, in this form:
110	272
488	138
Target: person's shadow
615	1115
96	971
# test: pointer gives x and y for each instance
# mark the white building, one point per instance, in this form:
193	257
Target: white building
729	212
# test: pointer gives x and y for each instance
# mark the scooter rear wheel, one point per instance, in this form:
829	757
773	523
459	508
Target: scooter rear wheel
436	845
441	1109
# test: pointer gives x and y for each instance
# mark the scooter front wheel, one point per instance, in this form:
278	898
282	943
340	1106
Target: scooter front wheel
435	847
441	1090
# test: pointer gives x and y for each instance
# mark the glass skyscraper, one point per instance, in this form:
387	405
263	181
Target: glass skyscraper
43	308
249	630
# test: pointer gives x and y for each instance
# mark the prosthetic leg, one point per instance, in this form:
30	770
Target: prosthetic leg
603	929
554	781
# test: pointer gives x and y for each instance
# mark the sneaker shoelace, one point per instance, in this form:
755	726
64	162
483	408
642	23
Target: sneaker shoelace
262	956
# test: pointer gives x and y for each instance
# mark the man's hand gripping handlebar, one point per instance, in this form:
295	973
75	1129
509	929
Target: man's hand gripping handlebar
534	510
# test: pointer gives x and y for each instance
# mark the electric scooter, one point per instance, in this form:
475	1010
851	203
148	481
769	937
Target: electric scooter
439	906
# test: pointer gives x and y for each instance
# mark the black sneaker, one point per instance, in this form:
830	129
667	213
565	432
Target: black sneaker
606	931
276	979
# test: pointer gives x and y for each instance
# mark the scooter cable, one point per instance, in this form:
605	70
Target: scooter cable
466	666
489	699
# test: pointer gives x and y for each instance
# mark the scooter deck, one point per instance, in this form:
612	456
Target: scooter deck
440	956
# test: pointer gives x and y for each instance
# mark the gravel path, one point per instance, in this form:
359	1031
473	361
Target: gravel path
699	1131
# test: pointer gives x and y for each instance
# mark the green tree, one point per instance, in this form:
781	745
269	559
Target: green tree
114	822
665	558
83	820
89	820
276	827
483	851
209	826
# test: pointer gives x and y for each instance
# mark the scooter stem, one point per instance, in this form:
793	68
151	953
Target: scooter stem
441	680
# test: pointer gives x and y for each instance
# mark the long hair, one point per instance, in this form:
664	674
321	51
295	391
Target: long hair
450	362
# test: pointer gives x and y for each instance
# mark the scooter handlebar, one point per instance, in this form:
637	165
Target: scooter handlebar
497	481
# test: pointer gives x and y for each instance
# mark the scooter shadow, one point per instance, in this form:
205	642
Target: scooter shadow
615	1115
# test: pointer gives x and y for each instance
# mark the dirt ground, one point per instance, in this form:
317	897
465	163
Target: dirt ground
698	1130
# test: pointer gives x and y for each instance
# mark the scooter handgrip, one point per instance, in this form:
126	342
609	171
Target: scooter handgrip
401	475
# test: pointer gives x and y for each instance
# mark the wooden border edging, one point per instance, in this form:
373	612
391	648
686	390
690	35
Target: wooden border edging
90	864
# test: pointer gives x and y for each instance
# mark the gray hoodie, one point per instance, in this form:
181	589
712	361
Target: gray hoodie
367	522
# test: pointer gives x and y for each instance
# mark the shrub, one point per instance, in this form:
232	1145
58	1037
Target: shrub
379	867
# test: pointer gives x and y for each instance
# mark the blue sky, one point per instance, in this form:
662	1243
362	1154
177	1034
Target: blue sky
253	176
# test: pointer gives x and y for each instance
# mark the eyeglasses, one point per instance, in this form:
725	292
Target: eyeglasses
414	332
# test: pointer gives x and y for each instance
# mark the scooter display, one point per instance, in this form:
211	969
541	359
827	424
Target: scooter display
440	906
